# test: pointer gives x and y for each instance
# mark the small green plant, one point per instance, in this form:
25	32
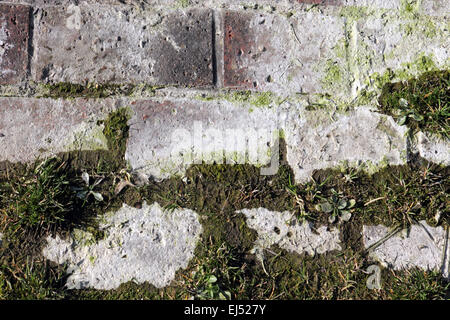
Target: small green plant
215	275
337	206
212	291
299	205
350	175
313	189
404	113
84	192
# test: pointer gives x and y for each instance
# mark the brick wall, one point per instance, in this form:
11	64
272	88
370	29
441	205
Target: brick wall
223	81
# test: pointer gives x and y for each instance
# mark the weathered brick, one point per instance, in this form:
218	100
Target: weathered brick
32	128
271	52
168	136
314	141
436	7
406	44
107	44
14	33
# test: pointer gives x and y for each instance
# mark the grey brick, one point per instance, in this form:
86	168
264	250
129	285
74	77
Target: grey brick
113	44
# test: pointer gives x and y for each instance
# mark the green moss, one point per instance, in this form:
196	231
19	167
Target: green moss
87	138
415	21
333	72
421	64
184	3
353	13
358	57
379	80
409	7
71	90
116	132
341	48
256	99
66	90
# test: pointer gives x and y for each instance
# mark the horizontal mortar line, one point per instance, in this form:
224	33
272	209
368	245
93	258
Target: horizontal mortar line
187	93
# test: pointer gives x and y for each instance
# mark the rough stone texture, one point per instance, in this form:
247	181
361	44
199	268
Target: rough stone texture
137	3
268	52
166	137
147	244
423	247
283	229
334	50
431	7
397	41
436	7
32	128
14	33
319	139
433	149
123	44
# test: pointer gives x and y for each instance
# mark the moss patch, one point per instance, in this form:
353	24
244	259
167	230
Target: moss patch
116	132
67	90
256	99
71	90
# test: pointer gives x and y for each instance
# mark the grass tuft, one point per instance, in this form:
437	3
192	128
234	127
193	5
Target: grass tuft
421	104
41	198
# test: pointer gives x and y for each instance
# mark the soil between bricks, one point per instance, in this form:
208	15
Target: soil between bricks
216	192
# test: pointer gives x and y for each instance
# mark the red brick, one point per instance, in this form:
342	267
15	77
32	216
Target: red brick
14	34
239	46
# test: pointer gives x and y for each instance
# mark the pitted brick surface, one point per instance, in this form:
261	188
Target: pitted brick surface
32	128
268	52
166	137
113	44
14	34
